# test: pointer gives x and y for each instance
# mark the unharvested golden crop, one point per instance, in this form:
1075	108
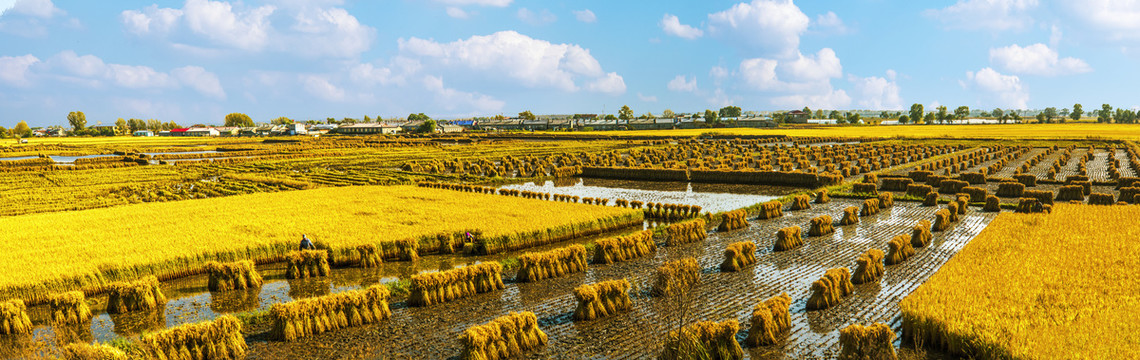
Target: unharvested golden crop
1037	286
1008	131
66	251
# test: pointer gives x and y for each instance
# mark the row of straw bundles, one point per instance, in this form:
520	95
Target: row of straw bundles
686	232
307	317
306	263
771	210
602	299
973	178
821	197
1029	205
830	289
993	204
951	186
896	184
142	294
407	250
917	190
899	249
370	257
1029	180
738	255
733	220
624	248
886	200
976	194
870	179
1128	194
787	178
770	320
788	238
1101	199
921	236
505	337
859	342
1071	192
218	339
69	308
1010	189
1044	196
820	226
83	351
14	318
850	216
676	276
233	275
704	340
869	267
551	264
801	202
870	207
439	287
864	189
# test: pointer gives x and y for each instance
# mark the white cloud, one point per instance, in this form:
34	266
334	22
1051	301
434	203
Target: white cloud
1008	88
370	74
680	83
451	99
151	19
456	12
492	3
673	26
138	77
14	70
877	93
771	27
332	32
996	15
1118	19
1036	59
320	87
200	80
832	99
38	8
804	74
507	54
646	98
540	18
831	21
718	72
585	15
247	30
92	71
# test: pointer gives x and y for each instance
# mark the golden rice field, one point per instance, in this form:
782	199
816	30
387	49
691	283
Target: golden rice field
1042	286
169	237
996	131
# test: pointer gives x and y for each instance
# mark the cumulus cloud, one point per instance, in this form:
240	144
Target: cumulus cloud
527	61
831	21
151	20
673	26
803	74
452	99
996	15
322	88
1119	20
680	83
197	78
646	98
585	15
14	70
456	12
536	18
718	72
332	31
1008	89
245	29
492	3
1036	59
93	71
771	27
37	8
877	93
832	99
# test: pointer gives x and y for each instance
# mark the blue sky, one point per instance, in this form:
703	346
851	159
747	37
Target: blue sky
197	60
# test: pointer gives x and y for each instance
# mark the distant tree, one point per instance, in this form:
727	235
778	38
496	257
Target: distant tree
807	110
77	120
929	118
428	126
170	125
239	120
367	119
711	117
841	119
330	121
819	114
916	112
962	112
121	125
1040	118
1050	113
418	117
668	114
834	115
625	113
853	118
1077	112
884	114
1013	115
21	129
903	119
647	115
610	117
1105	114
5	133
942	114
729	111
527	115
283	121
1064	114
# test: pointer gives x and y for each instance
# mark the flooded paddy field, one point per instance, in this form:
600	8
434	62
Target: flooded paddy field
710	197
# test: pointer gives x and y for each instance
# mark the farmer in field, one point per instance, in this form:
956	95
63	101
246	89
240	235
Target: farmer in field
306	244
469	237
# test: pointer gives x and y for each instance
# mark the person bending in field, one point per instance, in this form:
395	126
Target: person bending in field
306	244
470	238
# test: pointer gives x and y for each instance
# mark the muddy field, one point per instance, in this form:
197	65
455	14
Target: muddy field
418	333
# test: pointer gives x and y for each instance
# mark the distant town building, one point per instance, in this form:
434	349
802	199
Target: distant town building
143	133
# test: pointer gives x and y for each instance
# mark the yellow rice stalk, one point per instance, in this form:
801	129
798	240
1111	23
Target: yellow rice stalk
788	238
860	342
232	276
976	194
218	339
920	236
733	220
942	219
931	199
801	202
770	321
850	216
771	210
1101	199
444	286
821	197
370	257
306	264
820	226
686	232
864	188
870	207
993	204
69	308
143	294
624	248
407	250
886	200
81	351
830	289
676	276
505	337
551	264
899	249
704	340
869	267
963	204
307	317
602	299
738	255
1010	189
14	318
